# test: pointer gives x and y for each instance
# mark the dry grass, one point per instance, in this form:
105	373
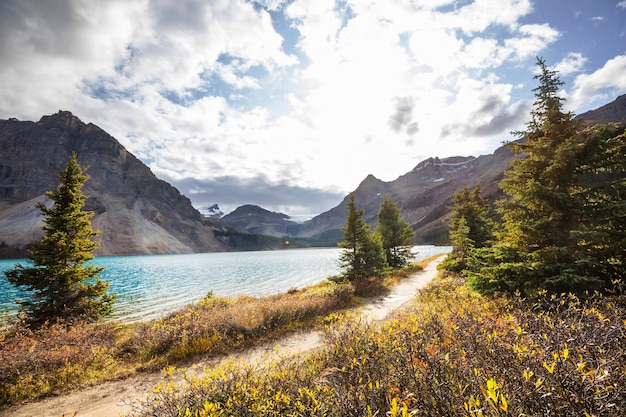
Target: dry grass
455	353
59	357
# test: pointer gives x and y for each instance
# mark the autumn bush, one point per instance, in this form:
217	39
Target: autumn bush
53	358
454	353
220	324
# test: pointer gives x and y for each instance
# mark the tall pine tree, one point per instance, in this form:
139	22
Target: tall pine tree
600	187
471	226
563	220
62	286
539	213
396	233
363	255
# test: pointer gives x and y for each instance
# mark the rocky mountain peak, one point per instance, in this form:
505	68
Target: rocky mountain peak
435	169
370	181
257	220
136	212
369	186
213	211
63	119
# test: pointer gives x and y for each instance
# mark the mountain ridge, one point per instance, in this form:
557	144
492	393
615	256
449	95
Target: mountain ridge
141	214
614	112
136	212
425	192
254	219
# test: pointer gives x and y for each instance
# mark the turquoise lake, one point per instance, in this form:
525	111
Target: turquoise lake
153	285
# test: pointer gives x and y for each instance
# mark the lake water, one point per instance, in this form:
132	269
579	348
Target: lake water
154	285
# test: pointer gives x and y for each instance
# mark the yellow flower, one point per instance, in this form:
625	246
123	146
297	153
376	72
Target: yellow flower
550	367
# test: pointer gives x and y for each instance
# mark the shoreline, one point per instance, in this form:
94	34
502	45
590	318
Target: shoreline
149	290
117	397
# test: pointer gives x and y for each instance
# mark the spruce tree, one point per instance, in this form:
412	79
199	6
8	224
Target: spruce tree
563	218
363	255
600	187
539	212
396	233
471	226
61	285
462	246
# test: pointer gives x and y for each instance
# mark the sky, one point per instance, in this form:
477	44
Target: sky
290	104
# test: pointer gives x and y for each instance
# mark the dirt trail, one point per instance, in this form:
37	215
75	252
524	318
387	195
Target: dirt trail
115	398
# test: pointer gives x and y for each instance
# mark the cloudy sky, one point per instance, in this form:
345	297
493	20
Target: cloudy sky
290	104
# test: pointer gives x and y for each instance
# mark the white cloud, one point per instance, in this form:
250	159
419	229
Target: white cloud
204	90
533	39
52	46
622	4
184	43
572	63
604	83
120	45
481	53
479	15
356	72
272	4
230	75
436	48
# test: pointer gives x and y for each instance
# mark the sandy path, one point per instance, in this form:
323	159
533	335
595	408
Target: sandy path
115	398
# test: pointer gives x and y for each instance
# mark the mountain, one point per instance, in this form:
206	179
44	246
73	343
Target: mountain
425	193
136	212
213	211
614	111
256	220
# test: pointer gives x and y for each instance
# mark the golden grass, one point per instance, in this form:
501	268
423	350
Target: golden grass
59	357
455	353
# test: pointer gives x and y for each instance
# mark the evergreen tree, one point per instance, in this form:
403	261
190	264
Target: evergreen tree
563	220
363	254
599	241
374	263
539	212
471	226
396	233
61	285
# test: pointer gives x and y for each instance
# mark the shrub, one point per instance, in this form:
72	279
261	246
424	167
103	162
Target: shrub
219	324
36	362
455	353
55	357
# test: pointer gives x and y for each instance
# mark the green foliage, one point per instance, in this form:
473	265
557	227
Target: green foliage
363	254
455	353
538	212
600	186
240	241
471	226
563	221
500	268
62	285
396	233
462	247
